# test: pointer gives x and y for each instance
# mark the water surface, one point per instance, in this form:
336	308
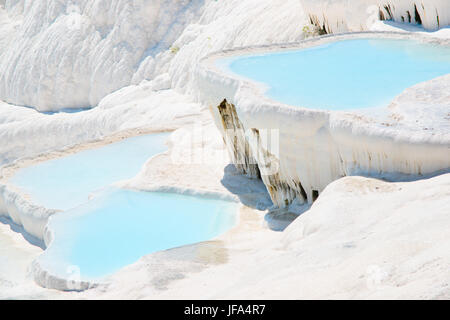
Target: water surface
118	227
66	182
343	75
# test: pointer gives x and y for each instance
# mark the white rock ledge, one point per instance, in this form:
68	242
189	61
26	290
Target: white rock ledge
32	217
317	147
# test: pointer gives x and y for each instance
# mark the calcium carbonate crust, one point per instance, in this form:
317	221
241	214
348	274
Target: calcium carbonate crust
253	109
317	147
86	48
15	206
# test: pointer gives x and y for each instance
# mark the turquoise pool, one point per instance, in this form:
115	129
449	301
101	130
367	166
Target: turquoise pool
343	75
118	227
66	182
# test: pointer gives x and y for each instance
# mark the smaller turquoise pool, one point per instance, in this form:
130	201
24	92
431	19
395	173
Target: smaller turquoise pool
118	227
66	182
343	75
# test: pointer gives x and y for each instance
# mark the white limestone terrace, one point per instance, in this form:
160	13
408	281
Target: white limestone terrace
163	101
362	239
412	140
159	94
154	86
171	171
28	137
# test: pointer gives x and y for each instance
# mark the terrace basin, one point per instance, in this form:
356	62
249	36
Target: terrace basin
104	228
343	75
119	226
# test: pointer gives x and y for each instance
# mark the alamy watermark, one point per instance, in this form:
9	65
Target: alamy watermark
194	145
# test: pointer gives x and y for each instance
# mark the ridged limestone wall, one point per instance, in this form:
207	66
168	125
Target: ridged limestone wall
335	16
431	14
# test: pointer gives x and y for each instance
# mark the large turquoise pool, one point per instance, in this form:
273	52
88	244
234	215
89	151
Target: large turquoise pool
343	75
118	227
